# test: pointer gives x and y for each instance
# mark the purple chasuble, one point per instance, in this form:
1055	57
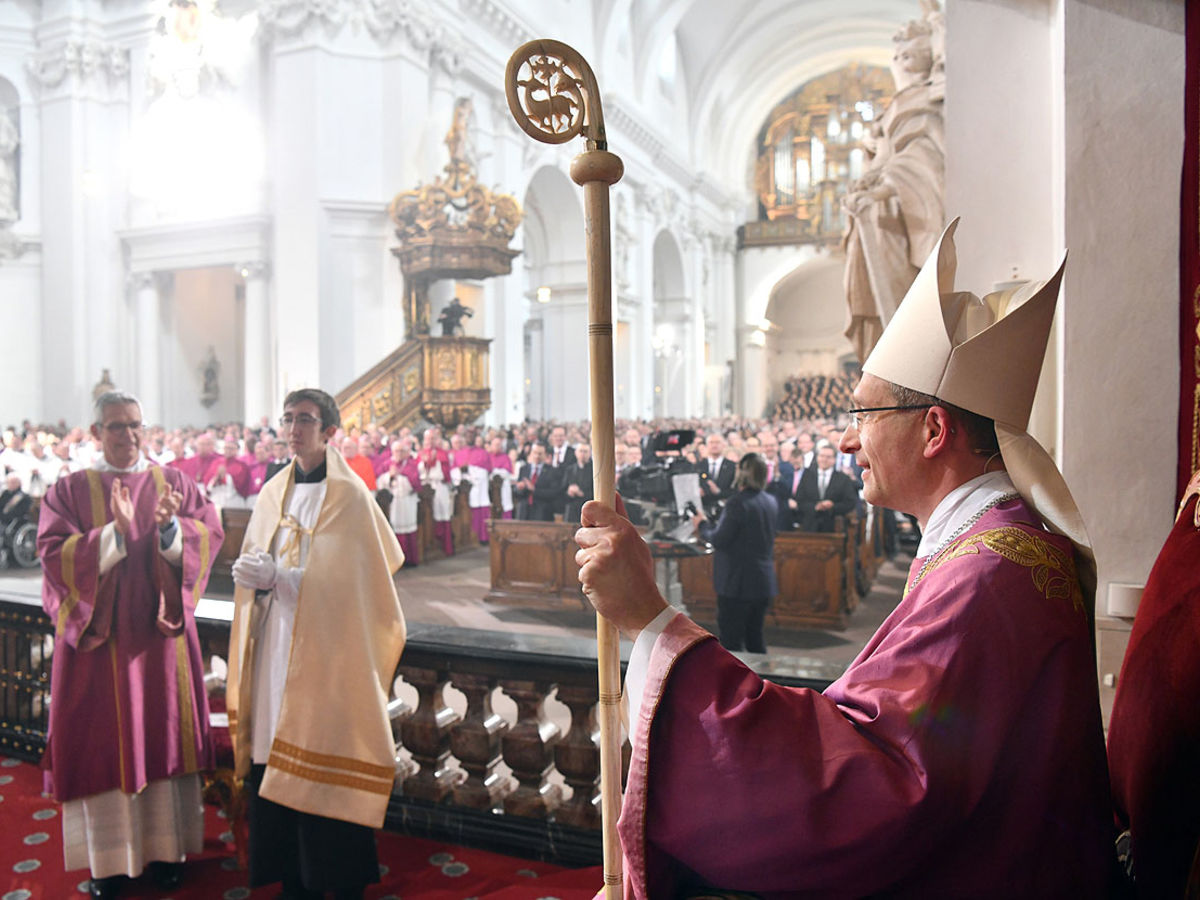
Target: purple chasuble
127	692
960	755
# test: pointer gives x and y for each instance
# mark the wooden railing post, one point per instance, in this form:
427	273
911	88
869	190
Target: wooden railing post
529	751
475	741
426	734
577	757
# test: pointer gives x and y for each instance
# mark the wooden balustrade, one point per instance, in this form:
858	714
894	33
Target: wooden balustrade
456	785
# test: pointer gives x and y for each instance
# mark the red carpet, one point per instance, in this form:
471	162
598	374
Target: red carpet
31	866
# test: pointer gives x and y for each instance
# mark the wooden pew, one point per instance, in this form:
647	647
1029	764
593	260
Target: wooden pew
533	564
816	580
234	522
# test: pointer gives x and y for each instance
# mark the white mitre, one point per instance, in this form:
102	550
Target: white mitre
985	356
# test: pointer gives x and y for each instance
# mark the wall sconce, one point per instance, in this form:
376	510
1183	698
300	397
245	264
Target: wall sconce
543	295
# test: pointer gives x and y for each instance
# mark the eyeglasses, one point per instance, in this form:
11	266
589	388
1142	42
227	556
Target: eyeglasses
287	420
115	428
860	415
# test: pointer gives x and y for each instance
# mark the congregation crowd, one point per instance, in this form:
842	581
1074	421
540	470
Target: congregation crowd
533	471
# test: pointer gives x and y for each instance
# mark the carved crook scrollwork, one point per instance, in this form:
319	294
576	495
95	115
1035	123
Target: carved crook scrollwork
552	94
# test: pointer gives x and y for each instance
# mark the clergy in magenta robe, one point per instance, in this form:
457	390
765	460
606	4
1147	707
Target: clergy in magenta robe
479	466
960	755
502	470
128	711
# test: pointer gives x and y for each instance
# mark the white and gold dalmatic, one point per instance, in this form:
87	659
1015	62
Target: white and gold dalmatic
985	356
311	663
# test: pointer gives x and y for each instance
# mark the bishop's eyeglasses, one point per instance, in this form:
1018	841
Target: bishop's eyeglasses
859	415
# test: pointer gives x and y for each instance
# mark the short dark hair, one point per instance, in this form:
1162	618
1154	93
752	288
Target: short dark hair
980	430
331	416
751	472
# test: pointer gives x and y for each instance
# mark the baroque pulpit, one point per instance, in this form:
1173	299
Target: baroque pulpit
451	228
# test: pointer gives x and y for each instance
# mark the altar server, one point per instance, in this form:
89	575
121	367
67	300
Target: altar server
316	637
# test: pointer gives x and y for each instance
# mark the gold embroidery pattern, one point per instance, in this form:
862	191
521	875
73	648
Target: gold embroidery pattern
310	774
330	761
183	684
67	563
1191	491
160	480
112	655
1052	570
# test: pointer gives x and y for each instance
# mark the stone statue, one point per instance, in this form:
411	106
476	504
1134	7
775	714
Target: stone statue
896	210
9	141
210	371
458	138
104	385
452	316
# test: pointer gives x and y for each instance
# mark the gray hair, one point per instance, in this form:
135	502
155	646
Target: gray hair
112	398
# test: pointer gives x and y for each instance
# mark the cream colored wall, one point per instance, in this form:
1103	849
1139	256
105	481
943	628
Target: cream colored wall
1074	140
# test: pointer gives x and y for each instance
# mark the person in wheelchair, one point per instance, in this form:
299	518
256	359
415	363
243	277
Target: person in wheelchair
18	535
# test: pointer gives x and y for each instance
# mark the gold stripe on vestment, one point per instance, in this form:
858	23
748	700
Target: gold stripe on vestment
99	507
183	684
67	565
160	480
202	572
330	761
112	655
308	773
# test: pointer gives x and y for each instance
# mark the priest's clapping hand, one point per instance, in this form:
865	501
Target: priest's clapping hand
616	569
121	507
167	506
255	570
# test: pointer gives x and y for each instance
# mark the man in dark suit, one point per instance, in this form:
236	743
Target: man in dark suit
824	493
716	472
577	484
539	489
559	454
744	562
280	459
14	502
780	476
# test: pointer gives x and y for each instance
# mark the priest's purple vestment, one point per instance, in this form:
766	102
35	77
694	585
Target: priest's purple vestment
960	755
128	705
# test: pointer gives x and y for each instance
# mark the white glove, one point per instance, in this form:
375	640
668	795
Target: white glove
255	571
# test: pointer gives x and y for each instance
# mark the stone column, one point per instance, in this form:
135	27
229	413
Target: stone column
258	347
148	288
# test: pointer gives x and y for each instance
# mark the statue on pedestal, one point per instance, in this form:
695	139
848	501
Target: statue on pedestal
9	141
452	316
896	210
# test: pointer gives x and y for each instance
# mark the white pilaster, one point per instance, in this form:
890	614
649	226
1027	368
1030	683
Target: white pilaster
258	349
147	313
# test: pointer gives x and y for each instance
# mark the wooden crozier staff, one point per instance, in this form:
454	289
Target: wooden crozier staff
553	96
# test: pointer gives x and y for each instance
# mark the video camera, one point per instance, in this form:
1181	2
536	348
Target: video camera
663	494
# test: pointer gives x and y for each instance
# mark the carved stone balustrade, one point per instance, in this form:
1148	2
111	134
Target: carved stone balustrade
529	751
426	734
456	786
